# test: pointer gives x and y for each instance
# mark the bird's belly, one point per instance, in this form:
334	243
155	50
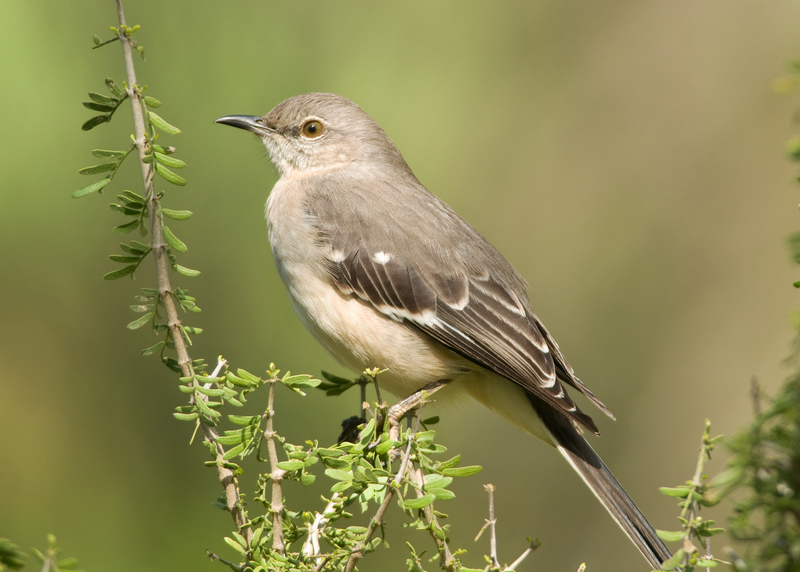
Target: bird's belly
360	337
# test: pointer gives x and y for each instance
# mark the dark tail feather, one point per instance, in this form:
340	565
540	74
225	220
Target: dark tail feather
605	487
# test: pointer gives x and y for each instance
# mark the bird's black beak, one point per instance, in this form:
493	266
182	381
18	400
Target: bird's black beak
249	122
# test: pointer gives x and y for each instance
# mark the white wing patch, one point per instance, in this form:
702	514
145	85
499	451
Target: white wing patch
381	257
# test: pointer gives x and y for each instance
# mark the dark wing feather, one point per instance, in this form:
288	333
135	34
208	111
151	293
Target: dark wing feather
477	318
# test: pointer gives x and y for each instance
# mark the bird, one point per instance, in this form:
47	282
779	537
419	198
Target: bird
385	274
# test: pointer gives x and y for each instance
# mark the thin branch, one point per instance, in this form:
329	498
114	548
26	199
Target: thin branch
311	545
161	258
492	527
446	560
358	553
533	546
276	475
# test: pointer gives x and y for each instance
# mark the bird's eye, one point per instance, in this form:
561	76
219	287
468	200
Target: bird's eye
312	129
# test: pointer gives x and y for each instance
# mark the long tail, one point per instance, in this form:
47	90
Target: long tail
605	487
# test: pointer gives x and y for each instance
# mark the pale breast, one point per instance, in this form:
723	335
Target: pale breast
356	334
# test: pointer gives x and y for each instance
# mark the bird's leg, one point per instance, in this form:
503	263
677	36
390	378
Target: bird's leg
399	409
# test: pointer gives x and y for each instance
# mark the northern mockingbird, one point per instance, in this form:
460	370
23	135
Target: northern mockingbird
385	274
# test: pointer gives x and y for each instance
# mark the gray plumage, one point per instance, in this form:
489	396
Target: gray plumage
385	274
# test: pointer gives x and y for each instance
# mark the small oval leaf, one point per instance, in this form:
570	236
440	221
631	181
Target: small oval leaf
126	228
140	321
186	271
114	88
176	215
462	471
103	153
152	349
169	176
173	240
157	122
95	121
94	170
418	503
290	465
120	272
91	188
105	100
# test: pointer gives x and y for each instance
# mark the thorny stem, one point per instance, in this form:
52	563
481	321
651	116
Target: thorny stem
276	475
358	552
226	476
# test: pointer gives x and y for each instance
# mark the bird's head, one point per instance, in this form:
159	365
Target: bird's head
315	132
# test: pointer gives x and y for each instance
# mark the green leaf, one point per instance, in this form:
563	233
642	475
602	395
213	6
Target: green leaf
176	215
91	188
120	273
339	475
173	240
237	450
238	380
103	153
159	123
670	536
450	463
95	121
125	210
151	101
443	494
126	228
67	563
131	197
98	169
210	391
680	492
140	321
300	381
243	373
114	88
124	259
169	161
134	251
98	106
244	419
169	176
434	481
290	465
96	40
336	379
235	545
96	97
462	471
186	416
673	562
143	247
186	271
153	349
418	503
209	413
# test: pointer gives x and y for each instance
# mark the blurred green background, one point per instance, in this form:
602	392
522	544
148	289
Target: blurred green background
626	156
